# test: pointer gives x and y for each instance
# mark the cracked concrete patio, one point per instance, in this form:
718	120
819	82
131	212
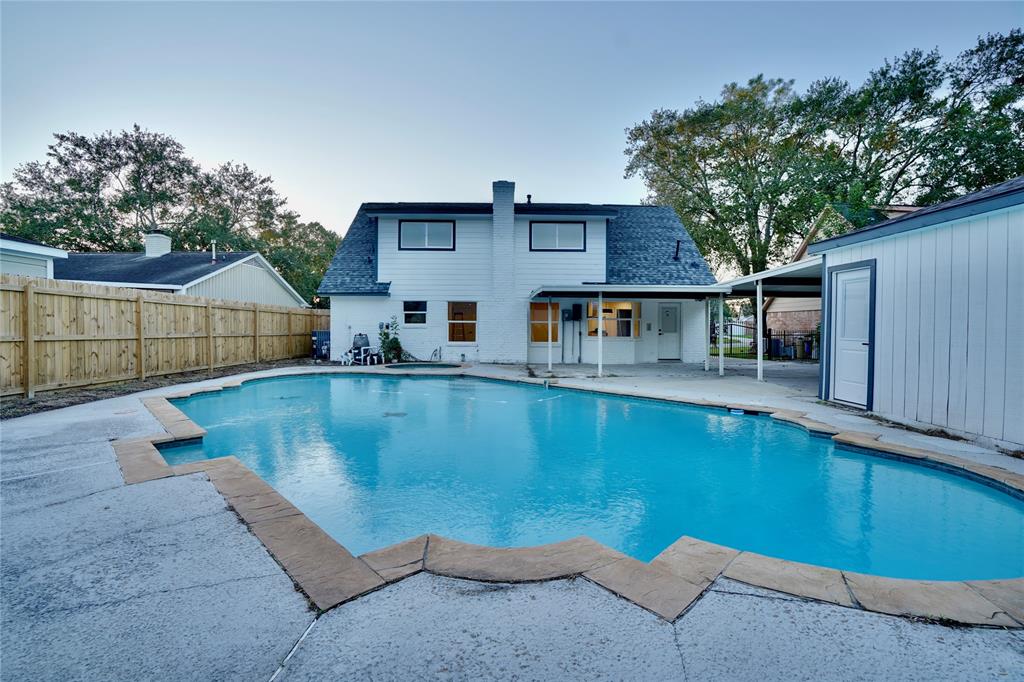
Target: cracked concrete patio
161	579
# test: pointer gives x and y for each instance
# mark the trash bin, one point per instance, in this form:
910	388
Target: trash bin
322	345
801	349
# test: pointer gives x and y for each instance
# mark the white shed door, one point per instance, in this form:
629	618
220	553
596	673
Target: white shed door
851	334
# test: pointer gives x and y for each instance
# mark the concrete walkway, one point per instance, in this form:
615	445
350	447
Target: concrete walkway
160	580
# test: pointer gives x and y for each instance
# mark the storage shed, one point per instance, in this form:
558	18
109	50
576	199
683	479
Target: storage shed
923	315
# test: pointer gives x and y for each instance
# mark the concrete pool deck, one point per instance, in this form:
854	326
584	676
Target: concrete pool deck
161	578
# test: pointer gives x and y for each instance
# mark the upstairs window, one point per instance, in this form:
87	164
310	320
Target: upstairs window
415	312
461	322
426	235
617	319
558	236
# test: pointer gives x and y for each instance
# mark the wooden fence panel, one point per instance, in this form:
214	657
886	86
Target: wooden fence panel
83	334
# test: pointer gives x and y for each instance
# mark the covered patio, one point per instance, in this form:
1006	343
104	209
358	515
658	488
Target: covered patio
801	279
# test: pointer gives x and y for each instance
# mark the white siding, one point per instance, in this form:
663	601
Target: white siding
499	276
21	264
785	305
249	282
948	317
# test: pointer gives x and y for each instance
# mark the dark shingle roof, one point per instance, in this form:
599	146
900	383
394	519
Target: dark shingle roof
641	245
481	208
174	268
988	199
22	240
353	269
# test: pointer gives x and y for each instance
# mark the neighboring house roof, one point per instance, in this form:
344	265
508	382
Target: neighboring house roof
1003	195
171	270
641	244
642	249
20	244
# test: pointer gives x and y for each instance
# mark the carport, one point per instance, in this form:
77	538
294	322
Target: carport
801	279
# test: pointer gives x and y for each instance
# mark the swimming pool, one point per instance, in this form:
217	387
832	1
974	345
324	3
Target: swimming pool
375	460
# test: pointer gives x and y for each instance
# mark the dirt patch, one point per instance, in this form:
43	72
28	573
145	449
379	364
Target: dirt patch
14	406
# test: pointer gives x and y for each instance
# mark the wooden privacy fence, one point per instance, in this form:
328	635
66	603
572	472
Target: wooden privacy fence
56	334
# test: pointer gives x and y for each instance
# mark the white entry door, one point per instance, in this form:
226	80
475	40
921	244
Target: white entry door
668	331
851	335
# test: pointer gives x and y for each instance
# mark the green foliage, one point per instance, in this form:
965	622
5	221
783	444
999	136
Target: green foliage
749	172
102	193
390	346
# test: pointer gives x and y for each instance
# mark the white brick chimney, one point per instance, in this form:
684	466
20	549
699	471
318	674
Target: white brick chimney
508	316
157	244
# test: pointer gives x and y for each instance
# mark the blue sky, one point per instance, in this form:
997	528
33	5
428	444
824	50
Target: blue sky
343	103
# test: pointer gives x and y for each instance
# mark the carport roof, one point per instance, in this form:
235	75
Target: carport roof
801	279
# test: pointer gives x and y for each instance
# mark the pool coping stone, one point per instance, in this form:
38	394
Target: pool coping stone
329	575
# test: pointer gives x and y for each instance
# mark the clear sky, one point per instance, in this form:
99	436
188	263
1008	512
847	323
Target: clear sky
344	103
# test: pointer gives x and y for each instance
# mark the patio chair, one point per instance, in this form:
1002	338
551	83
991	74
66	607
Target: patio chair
359	352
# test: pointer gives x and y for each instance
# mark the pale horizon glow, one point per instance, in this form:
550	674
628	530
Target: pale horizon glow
343	103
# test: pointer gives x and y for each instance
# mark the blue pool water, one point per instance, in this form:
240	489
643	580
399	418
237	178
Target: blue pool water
377	460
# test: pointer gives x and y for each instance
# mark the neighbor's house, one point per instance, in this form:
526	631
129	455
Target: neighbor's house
498	281
20	256
924	315
233	275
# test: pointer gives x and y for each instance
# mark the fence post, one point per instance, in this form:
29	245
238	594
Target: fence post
28	346
209	334
256	331
288	351
140	336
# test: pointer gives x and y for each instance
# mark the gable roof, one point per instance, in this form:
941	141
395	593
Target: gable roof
30	246
170	271
353	270
642	249
1009	193
641	244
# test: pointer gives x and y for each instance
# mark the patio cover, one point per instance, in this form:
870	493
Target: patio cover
633	291
801	279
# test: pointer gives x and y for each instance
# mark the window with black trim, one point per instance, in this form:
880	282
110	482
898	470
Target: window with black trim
558	235
415	312
426	235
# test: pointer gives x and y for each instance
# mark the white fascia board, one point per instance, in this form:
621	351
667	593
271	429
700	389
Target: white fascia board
807	263
32	249
668	289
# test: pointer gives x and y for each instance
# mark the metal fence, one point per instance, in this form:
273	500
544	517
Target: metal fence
740	341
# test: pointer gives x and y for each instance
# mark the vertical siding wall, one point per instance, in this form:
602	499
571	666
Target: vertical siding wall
249	281
949	323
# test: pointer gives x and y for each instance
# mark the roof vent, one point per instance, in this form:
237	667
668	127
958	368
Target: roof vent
529	198
157	244
678	242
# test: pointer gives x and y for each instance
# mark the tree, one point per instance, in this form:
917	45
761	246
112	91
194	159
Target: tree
748	174
301	252
738	171
102	193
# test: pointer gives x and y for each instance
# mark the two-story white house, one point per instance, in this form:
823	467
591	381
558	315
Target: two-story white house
522	282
